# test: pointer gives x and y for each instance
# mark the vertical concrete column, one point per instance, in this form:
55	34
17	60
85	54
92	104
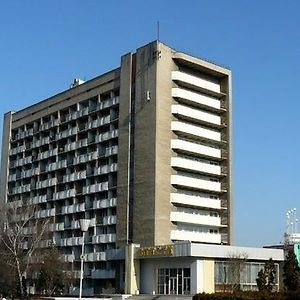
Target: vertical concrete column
132	270
209	276
197	277
5	154
124	151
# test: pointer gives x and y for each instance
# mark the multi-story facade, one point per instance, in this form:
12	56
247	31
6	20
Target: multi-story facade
143	151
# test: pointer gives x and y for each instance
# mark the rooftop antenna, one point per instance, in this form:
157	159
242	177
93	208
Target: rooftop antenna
158	30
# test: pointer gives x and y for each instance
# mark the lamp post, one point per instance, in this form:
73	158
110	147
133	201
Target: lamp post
84	226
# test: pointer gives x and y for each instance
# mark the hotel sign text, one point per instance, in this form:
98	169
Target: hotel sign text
156	251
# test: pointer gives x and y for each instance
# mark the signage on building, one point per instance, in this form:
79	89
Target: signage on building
167	250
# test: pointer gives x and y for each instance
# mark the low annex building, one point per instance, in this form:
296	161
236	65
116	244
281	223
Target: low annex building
190	268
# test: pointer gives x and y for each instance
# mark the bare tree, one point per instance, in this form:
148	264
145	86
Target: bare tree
235	267
22	235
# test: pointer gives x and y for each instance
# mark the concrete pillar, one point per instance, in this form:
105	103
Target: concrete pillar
132	271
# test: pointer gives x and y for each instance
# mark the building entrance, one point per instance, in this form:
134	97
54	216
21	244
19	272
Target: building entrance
174	281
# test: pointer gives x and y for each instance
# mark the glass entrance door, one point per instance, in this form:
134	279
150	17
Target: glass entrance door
174	281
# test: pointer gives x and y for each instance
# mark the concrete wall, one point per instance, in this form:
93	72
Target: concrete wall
124	151
144	151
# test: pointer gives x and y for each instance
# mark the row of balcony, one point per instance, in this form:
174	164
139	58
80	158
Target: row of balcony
80	159
64	134
90	257
69	117
96	239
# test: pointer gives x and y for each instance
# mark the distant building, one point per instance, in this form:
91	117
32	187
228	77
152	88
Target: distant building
291	238
142	151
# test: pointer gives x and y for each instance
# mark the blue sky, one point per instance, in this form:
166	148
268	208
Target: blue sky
45	44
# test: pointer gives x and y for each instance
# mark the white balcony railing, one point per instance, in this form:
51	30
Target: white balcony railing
211	85
195	166
196	131
194	236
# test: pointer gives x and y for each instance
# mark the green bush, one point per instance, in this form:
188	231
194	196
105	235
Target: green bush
249	295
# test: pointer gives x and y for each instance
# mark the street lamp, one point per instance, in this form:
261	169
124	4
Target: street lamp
84	226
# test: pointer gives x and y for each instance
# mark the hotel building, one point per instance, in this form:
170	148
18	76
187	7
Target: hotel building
142	151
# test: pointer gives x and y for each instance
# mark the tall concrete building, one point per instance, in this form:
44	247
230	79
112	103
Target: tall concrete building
143	151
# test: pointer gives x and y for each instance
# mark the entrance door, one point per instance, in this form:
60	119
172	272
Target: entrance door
173	285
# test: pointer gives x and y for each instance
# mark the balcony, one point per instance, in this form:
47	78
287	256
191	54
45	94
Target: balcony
107	136
38	199
75	145
12	177
40	142
104	238
46	213
195	200
191	218
56	165
48	125
16	150
105	169
47	154
24	134
64	194
195	166
196	115
96	256
68	257
113	150
74	176
99	122
194	236
66	133
196	149
46	183
196	183
71	241
103	274
56	227
74	208
201	100
109	220
203	85
105	203
196	132
21	189
94	188
30	173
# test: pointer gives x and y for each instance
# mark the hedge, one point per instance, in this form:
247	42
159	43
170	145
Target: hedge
248	296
